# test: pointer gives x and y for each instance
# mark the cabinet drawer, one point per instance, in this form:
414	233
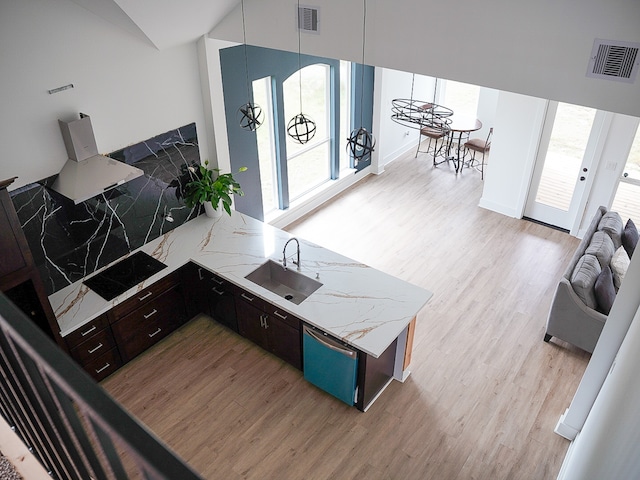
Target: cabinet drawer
94	346
145	296
168	306
252	299
284	317
144	337
85	332
104	365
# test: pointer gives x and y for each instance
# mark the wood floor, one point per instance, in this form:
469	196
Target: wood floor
485	391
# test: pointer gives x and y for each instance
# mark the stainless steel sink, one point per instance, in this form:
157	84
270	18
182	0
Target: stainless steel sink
289	284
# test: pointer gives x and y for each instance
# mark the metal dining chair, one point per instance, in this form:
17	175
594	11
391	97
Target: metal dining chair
478	145
434	134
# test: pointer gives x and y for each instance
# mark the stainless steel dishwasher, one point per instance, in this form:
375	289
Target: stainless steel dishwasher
330	364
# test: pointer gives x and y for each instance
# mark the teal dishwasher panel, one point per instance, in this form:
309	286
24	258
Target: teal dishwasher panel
330	365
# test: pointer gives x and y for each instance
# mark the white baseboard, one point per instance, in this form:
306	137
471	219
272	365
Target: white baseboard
565	430
507	210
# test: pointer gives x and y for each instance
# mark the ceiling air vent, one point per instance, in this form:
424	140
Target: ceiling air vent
612	60
308	19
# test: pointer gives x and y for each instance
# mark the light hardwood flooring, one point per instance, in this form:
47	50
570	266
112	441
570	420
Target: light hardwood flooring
485	391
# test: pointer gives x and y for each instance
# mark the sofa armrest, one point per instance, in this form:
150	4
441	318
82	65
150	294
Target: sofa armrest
572	321
584	243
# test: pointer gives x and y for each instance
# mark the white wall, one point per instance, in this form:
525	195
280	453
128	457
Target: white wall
605	407
131	90
539	49
395	139
518	123
487	108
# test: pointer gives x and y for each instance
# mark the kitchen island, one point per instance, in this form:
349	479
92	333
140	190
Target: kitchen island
361	306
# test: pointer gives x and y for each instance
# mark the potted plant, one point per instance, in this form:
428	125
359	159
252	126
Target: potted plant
212	189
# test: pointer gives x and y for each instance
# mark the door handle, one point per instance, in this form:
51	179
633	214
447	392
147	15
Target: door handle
583	178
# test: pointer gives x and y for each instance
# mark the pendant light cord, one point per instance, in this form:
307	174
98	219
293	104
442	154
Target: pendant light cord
246	62
299	68
364	36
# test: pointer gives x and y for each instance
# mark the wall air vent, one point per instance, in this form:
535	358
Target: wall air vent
308	19
613	60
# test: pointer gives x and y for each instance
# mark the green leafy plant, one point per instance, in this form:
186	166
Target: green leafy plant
211	186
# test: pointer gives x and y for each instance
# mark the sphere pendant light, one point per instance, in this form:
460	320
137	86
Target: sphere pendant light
301	128
361	143
250	115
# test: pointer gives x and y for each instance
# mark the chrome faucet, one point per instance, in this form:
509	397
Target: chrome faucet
284	254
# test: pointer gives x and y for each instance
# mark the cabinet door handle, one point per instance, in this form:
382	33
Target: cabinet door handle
151	314
88	331
145	296
200	277
151	335
263	318
247	297
216	281
94	350
216	291
100	370
278	314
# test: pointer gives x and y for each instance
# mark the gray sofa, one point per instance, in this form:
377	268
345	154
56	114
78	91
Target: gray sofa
571	318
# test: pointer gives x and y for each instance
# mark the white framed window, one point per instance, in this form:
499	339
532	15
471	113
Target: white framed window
308	165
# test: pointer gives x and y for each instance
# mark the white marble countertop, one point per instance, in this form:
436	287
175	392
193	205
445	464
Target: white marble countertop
364	307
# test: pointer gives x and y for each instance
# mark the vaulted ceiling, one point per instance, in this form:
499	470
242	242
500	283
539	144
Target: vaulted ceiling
163	23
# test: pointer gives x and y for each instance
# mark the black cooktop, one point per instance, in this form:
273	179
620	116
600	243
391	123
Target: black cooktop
124	275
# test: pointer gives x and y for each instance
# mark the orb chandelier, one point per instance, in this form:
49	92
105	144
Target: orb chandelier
361	143
301	128
250	115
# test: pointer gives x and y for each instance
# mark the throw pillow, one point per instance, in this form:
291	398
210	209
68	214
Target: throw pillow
605	291
583	279
601	247
611	222
630	237
619	266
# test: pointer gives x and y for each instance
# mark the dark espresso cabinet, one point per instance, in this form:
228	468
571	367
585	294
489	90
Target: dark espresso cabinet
94	348
147	317
208	293
270	327
19	278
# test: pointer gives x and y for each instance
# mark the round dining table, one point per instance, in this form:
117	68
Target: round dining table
461	124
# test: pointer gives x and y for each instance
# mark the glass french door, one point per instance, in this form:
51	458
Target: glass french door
566	155
627	198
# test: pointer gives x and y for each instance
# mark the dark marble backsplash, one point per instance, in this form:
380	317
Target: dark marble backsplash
70	241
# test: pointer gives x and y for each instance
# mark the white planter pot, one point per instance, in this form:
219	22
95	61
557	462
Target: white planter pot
212	212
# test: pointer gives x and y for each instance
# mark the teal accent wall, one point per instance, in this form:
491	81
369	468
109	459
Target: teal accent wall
243	148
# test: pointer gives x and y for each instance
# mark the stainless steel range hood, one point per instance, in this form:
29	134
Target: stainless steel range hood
86	173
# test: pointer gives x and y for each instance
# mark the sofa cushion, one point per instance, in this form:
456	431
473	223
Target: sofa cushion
601	247
630	237
604	290
584	278
611	222
619	265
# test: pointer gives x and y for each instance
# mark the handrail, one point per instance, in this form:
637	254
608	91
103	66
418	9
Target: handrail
74	428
